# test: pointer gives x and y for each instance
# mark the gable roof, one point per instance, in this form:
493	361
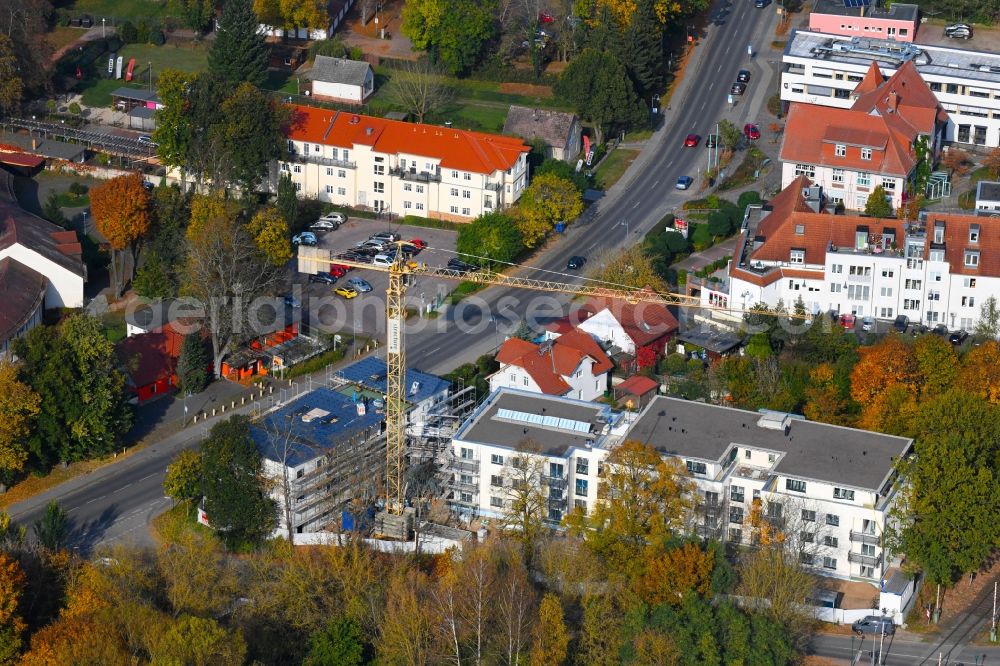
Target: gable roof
643	322
873	79
339	70
550	361
638	385
463	150
553	127
22	291
904	100
18	226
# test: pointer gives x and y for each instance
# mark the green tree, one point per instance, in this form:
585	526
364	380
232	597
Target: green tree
152	279
19	406
239	53
127	33
249	131
236	501
337	644
287	201
52	211
453	32
598	86
182	482
193	364
988	325
270	232
642	51
173	121
490	237
201	642
951	497
729	134
552	639
878	205
11	83
52	529
197	13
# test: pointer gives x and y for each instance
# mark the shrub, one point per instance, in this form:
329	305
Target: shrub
682	277
77	189
775	106
74	108
156	37
315	363
429	223
748	198
128	33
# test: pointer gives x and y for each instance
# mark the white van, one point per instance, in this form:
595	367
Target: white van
382	260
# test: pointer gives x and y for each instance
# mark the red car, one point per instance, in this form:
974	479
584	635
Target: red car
339	270
692	141
847	321
751	131
544	17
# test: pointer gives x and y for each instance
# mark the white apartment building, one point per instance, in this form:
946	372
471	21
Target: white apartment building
938	269
824	69
828	488
401	168
987	198
573	365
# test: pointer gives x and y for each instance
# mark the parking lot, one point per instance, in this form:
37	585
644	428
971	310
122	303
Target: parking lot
365	315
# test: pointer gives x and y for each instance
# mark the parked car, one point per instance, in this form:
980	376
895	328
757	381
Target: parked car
335	217
958	31
417	243
684	182
346	292
325	278
761	3
147	140
544	17
847	321
958	337
751	131
868	323
711	141
743	76
461	266
738	88
901	323
292	302
339	270
384	237
359	285
575	263
941	330
351	255
874	624
692	140
305	238
323	225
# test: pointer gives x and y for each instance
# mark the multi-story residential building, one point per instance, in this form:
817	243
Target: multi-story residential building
401	168
938	269
987	198
850	152
836	17
572	365
824	69
829	489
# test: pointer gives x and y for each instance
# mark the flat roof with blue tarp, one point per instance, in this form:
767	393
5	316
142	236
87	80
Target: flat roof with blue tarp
371	373
320	421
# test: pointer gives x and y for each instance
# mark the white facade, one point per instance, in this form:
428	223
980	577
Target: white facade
824	69
65	288
346	91
583	383
399	183
987	198
850	187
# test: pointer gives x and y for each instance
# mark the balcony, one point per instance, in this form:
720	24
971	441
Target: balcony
317	159
457	499
864	537
463	465
458	484
417	176
554	482
867	560
496	187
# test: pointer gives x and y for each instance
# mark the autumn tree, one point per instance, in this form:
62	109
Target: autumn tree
549	199
514	598
670	575
121	209
937	364
773	572
951	497
882	365
12	626
891	411
420	88
182	482
631	267
956	160
225	271
406	630
270	232
644	498
11	84
825	400
19	405
980	372
524	501
601	641
551	639
200	641
992	162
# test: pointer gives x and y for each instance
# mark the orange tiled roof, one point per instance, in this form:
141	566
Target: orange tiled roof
643	322
873	79
456	149
547	364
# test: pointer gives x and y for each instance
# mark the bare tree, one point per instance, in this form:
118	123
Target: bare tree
524	499
419	87
281	445
515	602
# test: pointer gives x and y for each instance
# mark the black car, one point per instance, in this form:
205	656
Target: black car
461	267
743	76
738	88
958	337
325	278
901	323
941	330
711	141
575	263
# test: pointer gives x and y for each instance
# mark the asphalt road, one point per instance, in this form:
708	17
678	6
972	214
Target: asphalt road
899	652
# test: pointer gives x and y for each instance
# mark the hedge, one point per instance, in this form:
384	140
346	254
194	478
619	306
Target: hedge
316	363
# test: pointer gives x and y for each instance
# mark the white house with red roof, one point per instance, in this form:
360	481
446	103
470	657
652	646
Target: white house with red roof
938	269
571	366
850	152
401	168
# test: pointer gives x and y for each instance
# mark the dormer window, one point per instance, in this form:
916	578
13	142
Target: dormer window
974	233
800	229
939	232
797	256
840	150
866	153
972	258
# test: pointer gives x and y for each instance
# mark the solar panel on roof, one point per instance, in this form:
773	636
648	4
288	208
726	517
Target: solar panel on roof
554	422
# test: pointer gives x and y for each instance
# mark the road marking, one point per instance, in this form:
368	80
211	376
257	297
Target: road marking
146	477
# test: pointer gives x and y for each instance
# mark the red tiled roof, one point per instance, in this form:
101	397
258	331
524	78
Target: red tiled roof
21	159
548	363
637	385
956	242
820	230
149	357
643	322
22	291
873	79
904	99
456	149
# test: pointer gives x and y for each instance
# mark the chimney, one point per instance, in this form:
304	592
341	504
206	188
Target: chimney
893	101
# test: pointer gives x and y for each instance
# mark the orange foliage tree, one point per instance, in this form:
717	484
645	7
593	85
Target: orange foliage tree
890	362
122	212
671	576
11	625
891	411
824	401
980	371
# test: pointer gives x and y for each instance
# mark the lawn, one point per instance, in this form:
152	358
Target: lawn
122	9
472	116
193	58
614	167
281	81
61	36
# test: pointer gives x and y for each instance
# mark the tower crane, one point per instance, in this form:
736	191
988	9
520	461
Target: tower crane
313	259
